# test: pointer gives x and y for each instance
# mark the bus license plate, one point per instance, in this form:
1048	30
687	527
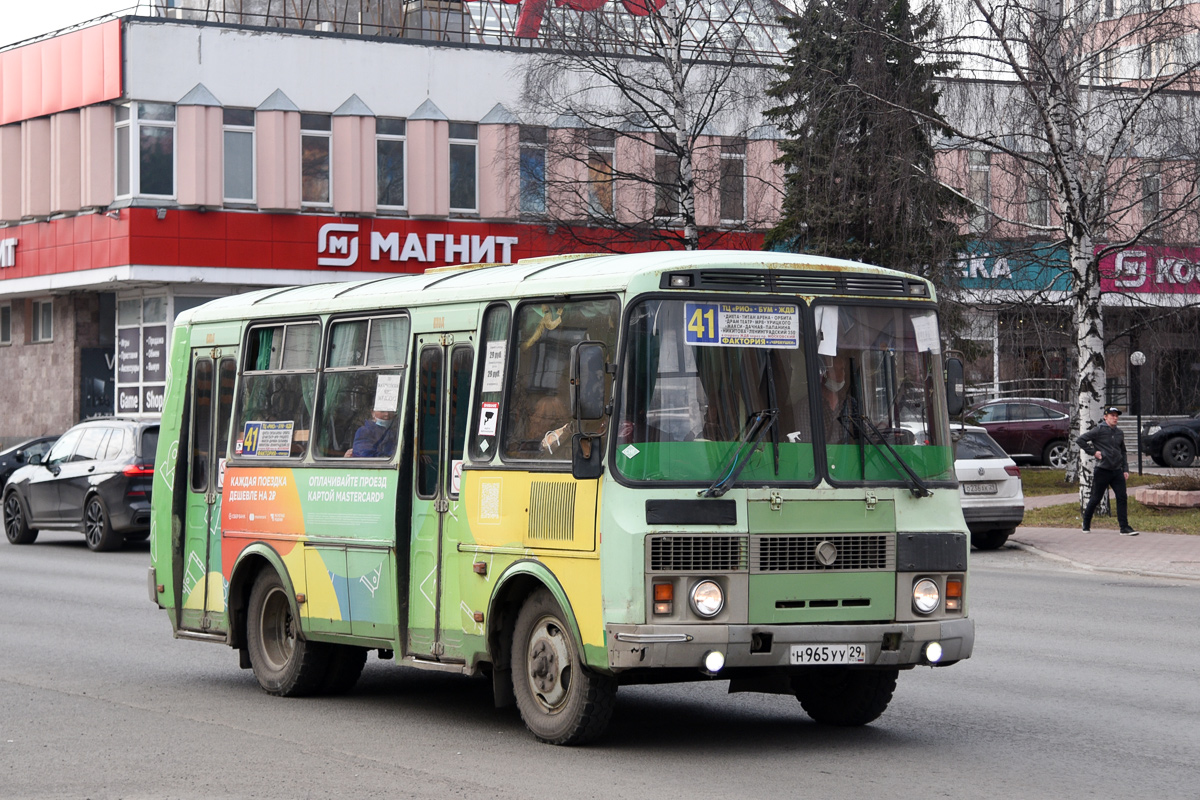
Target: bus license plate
979	487
829	654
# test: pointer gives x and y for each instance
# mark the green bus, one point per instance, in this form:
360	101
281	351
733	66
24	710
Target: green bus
568	474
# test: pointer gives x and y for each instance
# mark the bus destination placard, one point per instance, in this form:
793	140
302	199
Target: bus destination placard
743	324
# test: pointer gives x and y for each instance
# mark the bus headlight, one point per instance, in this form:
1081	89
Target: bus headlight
707	599
926	596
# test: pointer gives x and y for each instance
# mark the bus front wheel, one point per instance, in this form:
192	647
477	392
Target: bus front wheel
843	696
561	700
284	662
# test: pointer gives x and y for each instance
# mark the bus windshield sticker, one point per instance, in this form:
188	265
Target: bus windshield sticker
925	327
456	467
630	451
827	330
387	393
774	325
268	439
493	366
489	413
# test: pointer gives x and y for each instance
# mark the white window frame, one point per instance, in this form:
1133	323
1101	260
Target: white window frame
226	128
327	134
37	334
392	137
474	143
134	124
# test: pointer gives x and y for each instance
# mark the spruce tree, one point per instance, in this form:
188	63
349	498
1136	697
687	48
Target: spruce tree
854	97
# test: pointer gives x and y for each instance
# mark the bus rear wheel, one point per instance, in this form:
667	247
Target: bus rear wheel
284	662
561	700
842	696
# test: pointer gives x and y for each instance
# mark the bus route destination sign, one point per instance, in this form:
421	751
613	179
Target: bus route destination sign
743	324
267	439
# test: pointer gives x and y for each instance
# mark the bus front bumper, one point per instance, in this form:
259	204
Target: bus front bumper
898	644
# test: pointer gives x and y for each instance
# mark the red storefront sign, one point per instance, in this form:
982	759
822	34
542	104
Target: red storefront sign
224	239
1152	271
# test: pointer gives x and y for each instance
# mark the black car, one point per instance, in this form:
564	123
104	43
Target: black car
21	454
1172	443
96	479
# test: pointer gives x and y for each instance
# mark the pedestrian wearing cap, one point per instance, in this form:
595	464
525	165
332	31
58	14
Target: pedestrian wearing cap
1107	443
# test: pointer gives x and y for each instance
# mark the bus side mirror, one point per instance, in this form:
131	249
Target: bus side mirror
585	457
956	396
587	380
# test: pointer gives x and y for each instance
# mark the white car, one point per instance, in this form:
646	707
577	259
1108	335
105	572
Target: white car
989	485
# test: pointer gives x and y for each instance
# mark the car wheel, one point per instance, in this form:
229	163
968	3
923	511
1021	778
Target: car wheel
1056	455
843	696
991	540
97	527
1179	452
561	700
1158	460
16	525
284	662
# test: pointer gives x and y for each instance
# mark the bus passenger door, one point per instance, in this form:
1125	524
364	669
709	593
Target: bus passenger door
212	378
443	381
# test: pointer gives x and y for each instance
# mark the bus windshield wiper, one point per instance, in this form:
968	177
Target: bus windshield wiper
762	421
865	428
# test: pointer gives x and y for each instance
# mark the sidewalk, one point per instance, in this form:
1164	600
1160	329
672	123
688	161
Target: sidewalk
1157	554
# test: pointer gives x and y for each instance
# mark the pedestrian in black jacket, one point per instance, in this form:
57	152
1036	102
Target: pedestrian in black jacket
1107	443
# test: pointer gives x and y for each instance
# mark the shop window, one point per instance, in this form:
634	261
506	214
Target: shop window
6	324
601	151
43	320
315	141
389	162
733	180
464	144
238	134
360	388
666	178
145	143
533	170
278	386
493	361
538	422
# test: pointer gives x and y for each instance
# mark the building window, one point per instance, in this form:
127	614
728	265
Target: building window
239	155
733	180
979	189
533	170
43	320
464	141
145	157
6	324
601	148
1151	201
666	178
314	153
389	162
1037	198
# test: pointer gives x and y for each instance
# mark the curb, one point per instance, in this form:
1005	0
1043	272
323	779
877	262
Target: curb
1092	568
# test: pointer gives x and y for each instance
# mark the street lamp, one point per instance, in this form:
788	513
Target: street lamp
1137	358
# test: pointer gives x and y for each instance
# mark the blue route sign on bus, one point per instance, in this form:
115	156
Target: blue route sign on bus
743	324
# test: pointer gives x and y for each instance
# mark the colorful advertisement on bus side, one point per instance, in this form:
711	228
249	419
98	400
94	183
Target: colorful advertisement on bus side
358	504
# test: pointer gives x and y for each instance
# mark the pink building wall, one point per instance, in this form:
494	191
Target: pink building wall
707	167
499	171
10	172
353	164
635	155
96	168
428	168
277	153
764	184
199	152
35	167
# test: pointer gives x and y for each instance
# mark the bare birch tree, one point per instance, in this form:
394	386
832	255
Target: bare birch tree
636	103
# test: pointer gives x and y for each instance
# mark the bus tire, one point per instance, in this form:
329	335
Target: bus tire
345	666
843	696
284	663
560	699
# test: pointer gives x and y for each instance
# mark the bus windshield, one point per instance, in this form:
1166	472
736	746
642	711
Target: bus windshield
689	401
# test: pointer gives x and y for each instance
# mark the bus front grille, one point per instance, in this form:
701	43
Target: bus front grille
839	552
698	553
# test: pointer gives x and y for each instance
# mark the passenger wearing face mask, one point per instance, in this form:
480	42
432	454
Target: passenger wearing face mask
835	386
377	436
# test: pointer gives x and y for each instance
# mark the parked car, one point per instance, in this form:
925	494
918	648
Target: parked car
1172	443
989	487
21	454
96	479
1028	428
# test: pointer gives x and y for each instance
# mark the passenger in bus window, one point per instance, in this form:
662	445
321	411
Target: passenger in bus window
550	423
376	438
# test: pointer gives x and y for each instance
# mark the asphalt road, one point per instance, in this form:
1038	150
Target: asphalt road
1082	685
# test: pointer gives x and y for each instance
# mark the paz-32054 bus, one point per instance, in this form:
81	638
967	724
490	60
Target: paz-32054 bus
568	474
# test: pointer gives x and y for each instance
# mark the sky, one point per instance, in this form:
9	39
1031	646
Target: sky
21	19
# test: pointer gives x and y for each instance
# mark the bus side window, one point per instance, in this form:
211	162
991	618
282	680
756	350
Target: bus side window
493	361
278	388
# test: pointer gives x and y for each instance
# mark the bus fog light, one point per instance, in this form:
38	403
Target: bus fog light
714	661
933	652
926	596
707	598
